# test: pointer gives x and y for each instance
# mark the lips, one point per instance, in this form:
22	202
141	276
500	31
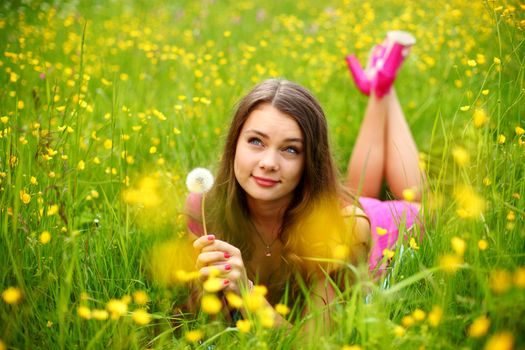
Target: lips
265	182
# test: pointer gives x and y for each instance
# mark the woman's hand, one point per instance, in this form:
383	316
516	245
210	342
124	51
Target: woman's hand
224	257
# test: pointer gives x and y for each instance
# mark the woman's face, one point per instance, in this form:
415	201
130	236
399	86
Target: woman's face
269	158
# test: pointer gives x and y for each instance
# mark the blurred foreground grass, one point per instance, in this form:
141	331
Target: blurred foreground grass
105	106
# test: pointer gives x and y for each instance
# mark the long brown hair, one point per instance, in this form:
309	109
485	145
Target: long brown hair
230	218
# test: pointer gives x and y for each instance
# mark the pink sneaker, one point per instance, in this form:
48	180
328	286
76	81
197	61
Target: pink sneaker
363	77
397	46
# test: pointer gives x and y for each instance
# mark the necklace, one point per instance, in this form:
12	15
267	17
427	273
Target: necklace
268	247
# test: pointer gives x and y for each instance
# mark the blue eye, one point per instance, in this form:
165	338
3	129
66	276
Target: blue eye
291	150
255	141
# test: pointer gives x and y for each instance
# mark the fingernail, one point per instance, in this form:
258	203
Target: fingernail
227	256
226	282
211	237
227	267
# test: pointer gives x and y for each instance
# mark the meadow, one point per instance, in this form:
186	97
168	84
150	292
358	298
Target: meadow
105	106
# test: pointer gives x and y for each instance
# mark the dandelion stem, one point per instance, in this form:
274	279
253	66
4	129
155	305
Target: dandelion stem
202	214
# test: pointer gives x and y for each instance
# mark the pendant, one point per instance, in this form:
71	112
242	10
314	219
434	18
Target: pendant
268	251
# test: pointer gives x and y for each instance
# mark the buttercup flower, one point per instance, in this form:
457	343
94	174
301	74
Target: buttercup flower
199	180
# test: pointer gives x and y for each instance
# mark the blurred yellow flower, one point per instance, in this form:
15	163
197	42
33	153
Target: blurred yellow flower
81	165
458	245
253	301
479	327
267	317
399	331
413	244
52	210
2	345
497	60
464	108
45	237
33	181
243	326
460	155
140	297
194	335
450	263
434	316
234	300
480	117
141	317
500	341
409	194
419	315
485	92
469	203
501	139
483	244
211	304
341	252
519	277
407	321
99	315
25	197
49	324
500	281
511	216
519	131
389	254
116	308
213	285
351	347
12	295
282	309
84	312
381	231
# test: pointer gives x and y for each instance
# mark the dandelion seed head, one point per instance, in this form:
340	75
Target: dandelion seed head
199	180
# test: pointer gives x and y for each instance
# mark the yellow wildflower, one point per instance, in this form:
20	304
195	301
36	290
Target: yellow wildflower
243	326
399	331
116	308
511	216
500	341
140	297
282	309
213	285
500	281
234	300
211	304
407	321
519	131
450	263
479	327
351	347
49	324
419	315
25	197
99	315
141	317
460	155
194	335
464	108
458	245
81	165
33	181
381	231
389	254
501	139
497	60
84	312
12	295
45	237
267	317
434	316
480	117
409	194
413	244
483	244
341	252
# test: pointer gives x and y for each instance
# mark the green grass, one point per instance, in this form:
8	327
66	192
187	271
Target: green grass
129	76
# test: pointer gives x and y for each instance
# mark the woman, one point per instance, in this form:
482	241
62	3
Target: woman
278	210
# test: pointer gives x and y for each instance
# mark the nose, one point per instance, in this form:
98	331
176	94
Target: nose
269	161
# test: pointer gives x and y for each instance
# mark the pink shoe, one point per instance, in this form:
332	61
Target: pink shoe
397	46
363	77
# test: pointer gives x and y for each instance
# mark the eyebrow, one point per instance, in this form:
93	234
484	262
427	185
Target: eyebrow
290	139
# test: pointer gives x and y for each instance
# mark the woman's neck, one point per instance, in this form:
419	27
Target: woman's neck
267	216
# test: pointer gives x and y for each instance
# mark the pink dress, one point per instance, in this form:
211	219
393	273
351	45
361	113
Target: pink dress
388	215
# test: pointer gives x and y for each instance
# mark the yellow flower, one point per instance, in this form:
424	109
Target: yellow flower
33	181
434	316
341	252
2	345
234	300
480	117
450	263
260	289
81	165
213	285
12	295
519	131
116	308
497	60
351	347
267	317
458	245
483	244
211	304
407	321
479	327
140	297
460	155
500	281
194	335
25	197
470	204
419	315
500	341
49	324
45	237
501	139
511	216
409	194
282	309
84	312
52	210
99	315
399	331
485	92
253	301
413	244
487	181
519	277
464	108
389	254
108	144
243	326
381	231
141	317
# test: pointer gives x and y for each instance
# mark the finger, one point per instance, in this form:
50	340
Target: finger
217	244
203	241
210	258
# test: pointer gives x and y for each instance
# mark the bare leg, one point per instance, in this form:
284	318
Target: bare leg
366	167
401	155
